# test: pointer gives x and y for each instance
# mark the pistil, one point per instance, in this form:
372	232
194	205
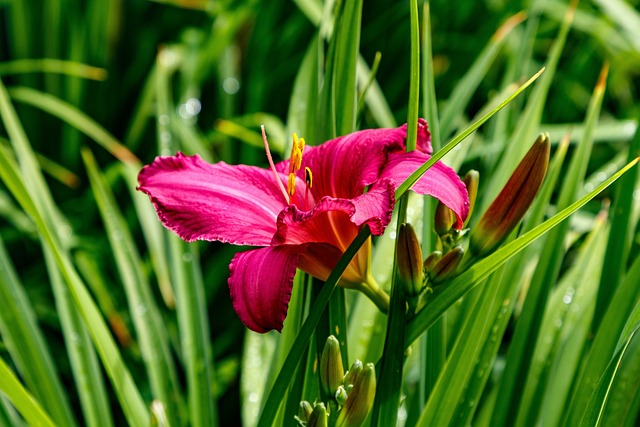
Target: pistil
273	166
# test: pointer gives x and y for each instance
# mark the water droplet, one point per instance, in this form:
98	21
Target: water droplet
64	231
557	323
588	187
253	397
636	195
601	176
392	235
167	58
141	309
402	413
231	85
75	337
165	138
164	119
629	128
187	257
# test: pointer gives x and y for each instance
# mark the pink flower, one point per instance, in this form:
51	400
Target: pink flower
309	225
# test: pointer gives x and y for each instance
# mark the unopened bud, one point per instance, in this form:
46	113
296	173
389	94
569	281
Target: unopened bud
352	374
431	261
444	219
331	369
341	395
447	266
409	257
471	181
318	417
360	400
514	200
304	411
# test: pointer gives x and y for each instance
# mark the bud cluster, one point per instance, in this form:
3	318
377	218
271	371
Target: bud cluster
419	277
349	395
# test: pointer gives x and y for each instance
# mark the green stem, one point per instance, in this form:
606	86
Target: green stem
375	293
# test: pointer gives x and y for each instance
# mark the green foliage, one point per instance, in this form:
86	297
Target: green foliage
541	331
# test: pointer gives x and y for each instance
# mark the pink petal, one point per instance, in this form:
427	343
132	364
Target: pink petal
440	181
201	201
344	166
337	221
260	285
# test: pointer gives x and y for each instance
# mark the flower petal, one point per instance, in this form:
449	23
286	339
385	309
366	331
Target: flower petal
440	181
344	166
337	221
260	285
201	201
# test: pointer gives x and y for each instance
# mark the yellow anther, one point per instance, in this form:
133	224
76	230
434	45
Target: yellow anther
291	184
296	154
308	176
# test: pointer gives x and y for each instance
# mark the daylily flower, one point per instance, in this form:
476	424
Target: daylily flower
302	213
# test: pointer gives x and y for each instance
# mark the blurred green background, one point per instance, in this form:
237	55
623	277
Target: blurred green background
202	75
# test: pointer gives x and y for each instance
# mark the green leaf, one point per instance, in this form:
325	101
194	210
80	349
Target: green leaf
23	401
482	269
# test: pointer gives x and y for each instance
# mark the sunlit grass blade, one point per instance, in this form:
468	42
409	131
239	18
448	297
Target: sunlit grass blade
389	383
74	117
26	404
529	121
619	241
465	88
84	362
470	278
509	280
547	270
603	347
563	333
303	115
194	330
50	65
413	178
127	393
151	333
26	344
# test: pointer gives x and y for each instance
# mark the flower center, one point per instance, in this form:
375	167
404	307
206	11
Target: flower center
295	163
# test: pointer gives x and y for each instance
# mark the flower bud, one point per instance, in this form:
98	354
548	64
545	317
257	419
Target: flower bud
409	258
360	400
447	266
304	411
471	181
331	369
352	374
341	395
514	200
431	261
318	417
444	219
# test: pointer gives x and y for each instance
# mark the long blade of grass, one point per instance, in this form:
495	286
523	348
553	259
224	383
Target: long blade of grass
42	213
470	278
84	363
26	404
521	350
50	65
146	317
415	176
26	344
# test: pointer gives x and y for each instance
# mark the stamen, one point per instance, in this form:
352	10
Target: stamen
295	162
308	177
273	166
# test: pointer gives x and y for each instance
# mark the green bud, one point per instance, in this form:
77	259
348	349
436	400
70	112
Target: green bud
341	395
431	261
360	400
304	411
318	417
352	374
444	219
471	181
514	200
409	258
331	369
447	266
